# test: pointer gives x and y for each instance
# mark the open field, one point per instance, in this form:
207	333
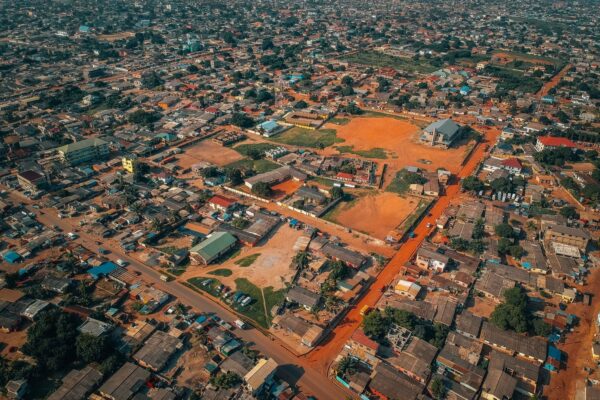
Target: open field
303	137
375	214
263	300
207	150
399	138
285	188
264	265
377	152
502	57
377	59
259	166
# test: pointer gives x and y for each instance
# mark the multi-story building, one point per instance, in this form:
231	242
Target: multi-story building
84	151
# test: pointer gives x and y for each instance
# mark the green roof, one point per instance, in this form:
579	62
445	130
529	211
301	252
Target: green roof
215	244
82	144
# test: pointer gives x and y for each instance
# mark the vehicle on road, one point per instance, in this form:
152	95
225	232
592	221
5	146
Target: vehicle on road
72	235
240	324
365	310
121	262
102	250
164	278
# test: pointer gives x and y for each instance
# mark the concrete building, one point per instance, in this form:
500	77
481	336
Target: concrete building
215	245
441	133
84	151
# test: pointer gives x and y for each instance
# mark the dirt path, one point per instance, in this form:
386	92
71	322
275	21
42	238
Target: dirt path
262	293
553	82
578	345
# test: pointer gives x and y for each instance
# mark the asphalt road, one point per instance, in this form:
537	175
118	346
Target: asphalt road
295	370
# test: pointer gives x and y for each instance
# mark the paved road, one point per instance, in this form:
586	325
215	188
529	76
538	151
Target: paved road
293	369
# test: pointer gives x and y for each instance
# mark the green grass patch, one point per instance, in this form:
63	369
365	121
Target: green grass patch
511	79
377	114
247	261
221	272
302	137
259	166
209	288
322	181
339	121
256	309
252	148
402	181
377	59
377	152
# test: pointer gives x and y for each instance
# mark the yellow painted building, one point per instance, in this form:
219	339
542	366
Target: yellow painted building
129	164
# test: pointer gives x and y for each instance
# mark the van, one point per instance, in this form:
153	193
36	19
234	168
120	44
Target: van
240	324
164	278
365	310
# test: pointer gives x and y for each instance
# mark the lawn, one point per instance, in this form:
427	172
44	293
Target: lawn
256	309
247	261
403	180
210	288
221	272
376	152
414	217
259	166
308	137
339	121
250	149
511	79
377	59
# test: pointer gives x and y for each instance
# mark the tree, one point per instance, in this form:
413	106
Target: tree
438	390
353	109
336	193
478	229
540	328
376	325
472	184
300	105
504	230
347	80
235	176
91	348
347	366
226	381
262	189
512	314
242	120
569	212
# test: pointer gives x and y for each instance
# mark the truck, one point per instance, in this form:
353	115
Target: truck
240	324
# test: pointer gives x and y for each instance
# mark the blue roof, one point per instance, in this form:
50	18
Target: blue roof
11	257
465	89
102	269
269	125
555	353
84	28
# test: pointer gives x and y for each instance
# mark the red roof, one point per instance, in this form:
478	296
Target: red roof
512	163
344	175
221	201
554	141
359	337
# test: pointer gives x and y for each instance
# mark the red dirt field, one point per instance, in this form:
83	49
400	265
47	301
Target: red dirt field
376	215
285	188
207	150
400	139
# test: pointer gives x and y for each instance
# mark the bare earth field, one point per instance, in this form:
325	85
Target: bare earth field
377	214
271	268
400	139
207	150
285	188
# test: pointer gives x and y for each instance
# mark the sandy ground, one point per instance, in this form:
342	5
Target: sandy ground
271	268
11	341
285	188
207	150
400	139
377	214
578	345
483	307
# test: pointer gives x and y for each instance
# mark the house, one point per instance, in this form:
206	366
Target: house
157	350
431	257
526	373
567	235
551	142
351	258
77	384
362	347
441	133
269	128
238	363
31	180
407	289
94	327
307	333
388	383
88	150
512	165
16	389
493	285
221	203
125	383
304	297
529	348
469	324
259	378
498	385
276	176
215	245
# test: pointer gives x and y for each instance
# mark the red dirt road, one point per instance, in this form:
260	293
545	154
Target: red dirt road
554	81
325	353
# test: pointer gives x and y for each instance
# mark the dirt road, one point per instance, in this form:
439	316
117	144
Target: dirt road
554	81
322	355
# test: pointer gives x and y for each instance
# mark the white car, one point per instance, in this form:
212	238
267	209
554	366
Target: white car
72	235
121	262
